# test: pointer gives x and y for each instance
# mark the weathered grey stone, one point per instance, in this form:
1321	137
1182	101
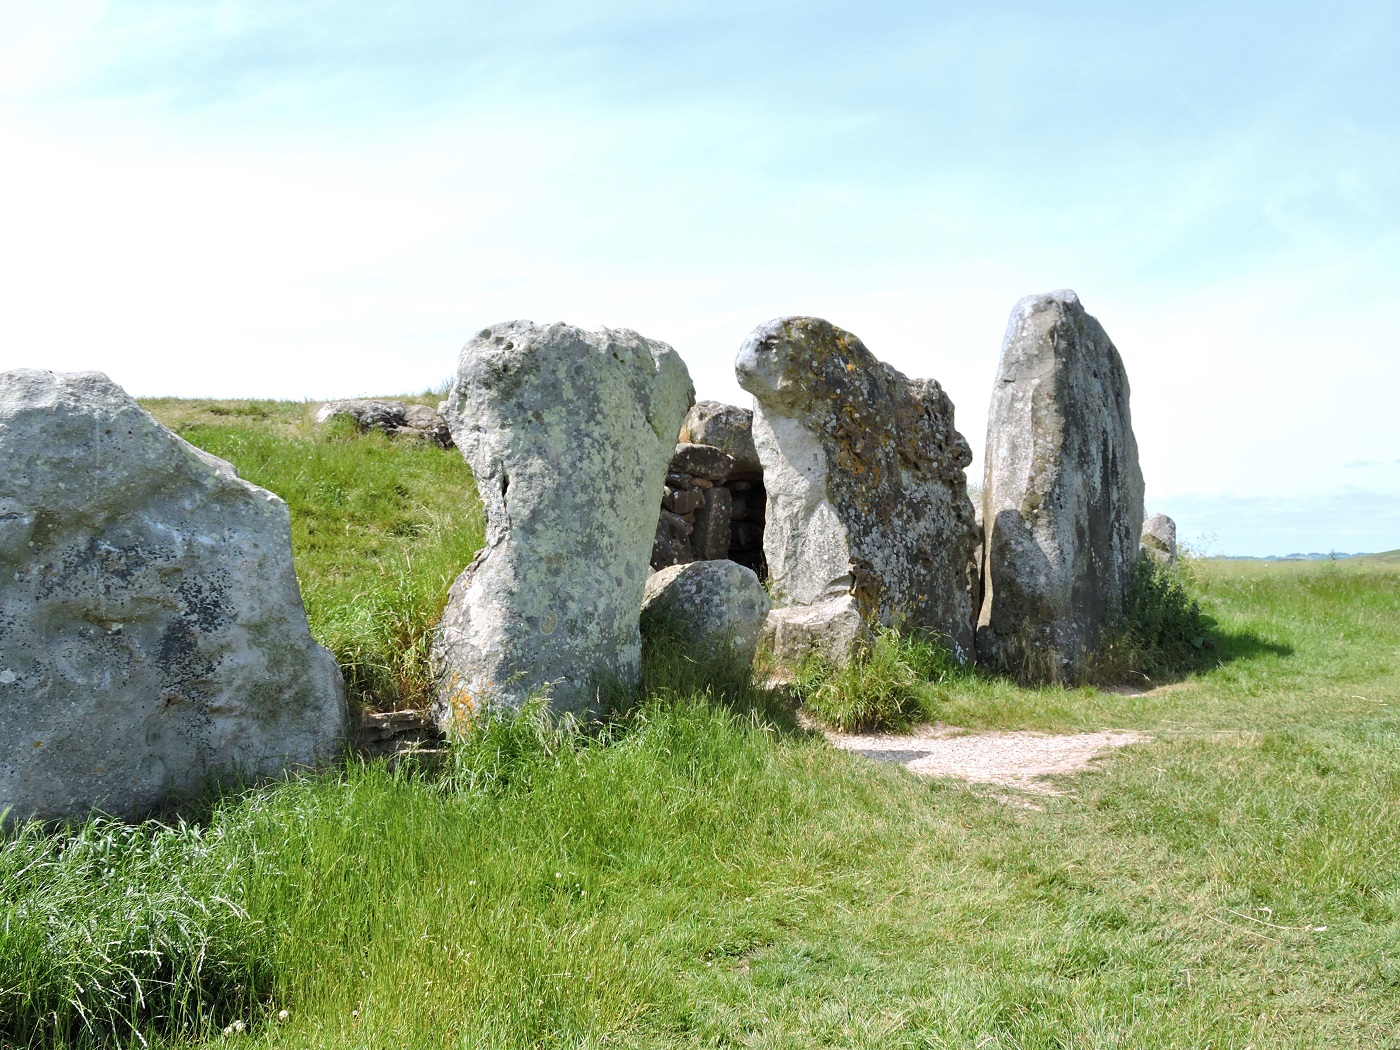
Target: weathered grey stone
390	417
726	427
365	413
702	461
710	540
671	545
832	631
569	434
422	421
683	501
152	635
717	607
1062	492
1159	538
863	468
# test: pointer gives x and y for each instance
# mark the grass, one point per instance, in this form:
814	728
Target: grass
702	873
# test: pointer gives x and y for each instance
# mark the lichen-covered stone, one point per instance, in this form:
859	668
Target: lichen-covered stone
1159	538
863	468
726	427
1062	495
832	631
671	545
716	607
152	635
569	434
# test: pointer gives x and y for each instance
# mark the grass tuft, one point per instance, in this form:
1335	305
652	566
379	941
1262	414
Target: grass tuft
886	687
116	932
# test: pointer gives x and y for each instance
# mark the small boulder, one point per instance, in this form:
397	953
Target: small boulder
1159	538
152	633
718	607
389	417
569	434
832	631
726	427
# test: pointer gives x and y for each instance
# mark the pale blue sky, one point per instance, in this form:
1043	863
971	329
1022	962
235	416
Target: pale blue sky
320	199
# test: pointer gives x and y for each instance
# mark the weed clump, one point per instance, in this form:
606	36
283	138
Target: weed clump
1163	631
886	686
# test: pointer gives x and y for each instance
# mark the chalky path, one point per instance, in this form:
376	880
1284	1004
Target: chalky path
1021	760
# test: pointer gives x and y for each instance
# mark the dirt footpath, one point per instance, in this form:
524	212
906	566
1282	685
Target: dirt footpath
1020	760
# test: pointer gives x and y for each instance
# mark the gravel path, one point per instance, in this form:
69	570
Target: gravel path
1020	760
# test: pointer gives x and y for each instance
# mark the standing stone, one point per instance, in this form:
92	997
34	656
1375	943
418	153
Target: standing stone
863	468
1062	493
569	434
726	427
717	607
1159	538
152	635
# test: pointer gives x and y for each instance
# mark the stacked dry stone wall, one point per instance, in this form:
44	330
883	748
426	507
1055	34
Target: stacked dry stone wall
714	503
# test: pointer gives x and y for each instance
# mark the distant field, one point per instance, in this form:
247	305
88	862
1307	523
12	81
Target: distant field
704	873
1390	557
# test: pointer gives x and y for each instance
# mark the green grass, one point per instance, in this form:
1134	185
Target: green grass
380	529
702	873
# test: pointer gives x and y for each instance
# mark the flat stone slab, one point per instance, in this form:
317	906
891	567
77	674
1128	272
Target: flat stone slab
1020	759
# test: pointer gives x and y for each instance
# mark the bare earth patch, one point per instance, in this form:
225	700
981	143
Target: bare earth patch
1020	760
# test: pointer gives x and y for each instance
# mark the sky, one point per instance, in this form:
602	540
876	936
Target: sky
325	199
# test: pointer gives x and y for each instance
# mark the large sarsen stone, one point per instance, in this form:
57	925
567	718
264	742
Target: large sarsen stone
152	635
569	434
865	483
1062	496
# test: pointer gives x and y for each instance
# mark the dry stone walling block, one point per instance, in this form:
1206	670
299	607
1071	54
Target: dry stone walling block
726	427
152	634
867	503
569	434
1062	492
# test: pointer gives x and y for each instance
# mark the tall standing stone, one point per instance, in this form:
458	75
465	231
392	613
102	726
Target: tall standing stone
1062	492
152	634
864	474
569	434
